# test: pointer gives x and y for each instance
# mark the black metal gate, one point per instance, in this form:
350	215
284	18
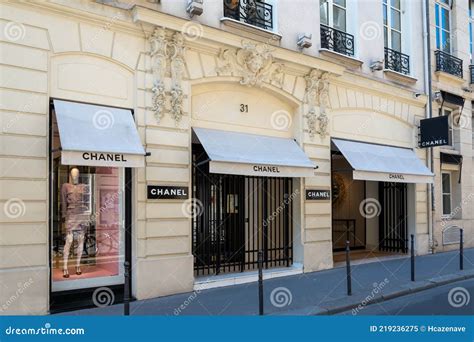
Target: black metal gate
236	216
393	225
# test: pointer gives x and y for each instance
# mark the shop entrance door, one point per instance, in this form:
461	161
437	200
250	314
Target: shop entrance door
393	227
236	216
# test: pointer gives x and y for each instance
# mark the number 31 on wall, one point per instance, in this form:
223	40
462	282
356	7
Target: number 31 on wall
244	108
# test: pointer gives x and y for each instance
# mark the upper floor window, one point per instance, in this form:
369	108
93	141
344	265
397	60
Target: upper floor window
254	12
392	24
471	27
446	193
333	14
443	25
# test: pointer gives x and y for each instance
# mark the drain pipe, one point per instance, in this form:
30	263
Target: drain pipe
428	112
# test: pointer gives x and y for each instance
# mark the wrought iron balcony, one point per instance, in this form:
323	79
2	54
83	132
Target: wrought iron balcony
397	61
253	12
447	63
337	41
471	69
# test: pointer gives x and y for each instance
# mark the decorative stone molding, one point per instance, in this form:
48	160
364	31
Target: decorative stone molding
253	62
317	92
167	54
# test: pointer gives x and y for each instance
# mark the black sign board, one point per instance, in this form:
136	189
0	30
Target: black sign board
318	195
434	132
167	192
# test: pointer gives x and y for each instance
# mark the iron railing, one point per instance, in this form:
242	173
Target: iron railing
337	41
471	69
253	12
447	63
397	61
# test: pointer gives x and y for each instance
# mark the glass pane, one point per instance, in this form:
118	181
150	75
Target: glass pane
446	204
339	18
444	1
445	19
445	41
437	14
395	22
384	14
438	39
396	41
396	3
446	180
385	37
340	2
323	12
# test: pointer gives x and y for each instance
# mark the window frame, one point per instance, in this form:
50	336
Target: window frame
388	42
443	194
446	111
439	7
330	14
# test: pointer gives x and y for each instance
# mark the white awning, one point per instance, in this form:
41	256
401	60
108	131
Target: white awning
253	155
98	136
384	163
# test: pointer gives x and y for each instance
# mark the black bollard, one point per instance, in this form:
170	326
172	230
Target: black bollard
126	290
412	257
348	269
461	249
260	283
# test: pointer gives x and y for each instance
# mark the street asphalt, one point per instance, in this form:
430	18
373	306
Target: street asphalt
314	293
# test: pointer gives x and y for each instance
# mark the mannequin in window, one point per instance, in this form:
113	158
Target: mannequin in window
74	209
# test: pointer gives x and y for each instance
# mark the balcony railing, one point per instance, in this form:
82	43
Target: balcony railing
397	61
253	12
337	41
471	69
447	63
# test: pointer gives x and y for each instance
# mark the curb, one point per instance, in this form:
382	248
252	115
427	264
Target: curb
427	284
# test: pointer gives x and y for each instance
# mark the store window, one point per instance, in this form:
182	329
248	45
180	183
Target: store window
446	193
392	21
443	25
333	14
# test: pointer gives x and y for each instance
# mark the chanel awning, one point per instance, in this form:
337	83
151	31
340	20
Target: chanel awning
253	155
452	98
383	163
97	135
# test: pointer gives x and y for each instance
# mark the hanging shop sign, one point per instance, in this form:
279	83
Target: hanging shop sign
318	195
434	132
167	192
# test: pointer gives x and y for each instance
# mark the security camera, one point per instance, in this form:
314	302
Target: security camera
437	96
304	41
194	7
416	95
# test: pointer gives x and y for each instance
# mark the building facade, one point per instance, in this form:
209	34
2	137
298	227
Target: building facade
192	138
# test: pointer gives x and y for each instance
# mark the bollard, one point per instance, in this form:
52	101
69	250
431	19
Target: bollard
412	257
461	249
348	270
126	290
260	283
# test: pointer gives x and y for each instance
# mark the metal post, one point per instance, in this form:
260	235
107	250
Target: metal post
412	257
461	249
260	282
348	269
126	290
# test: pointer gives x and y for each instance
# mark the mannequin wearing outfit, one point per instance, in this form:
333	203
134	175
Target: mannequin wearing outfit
74	213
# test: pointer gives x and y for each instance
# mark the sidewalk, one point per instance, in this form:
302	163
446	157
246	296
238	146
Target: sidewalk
313	293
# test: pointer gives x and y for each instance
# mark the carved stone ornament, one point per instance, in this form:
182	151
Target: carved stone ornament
253	62
167	56
317	91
